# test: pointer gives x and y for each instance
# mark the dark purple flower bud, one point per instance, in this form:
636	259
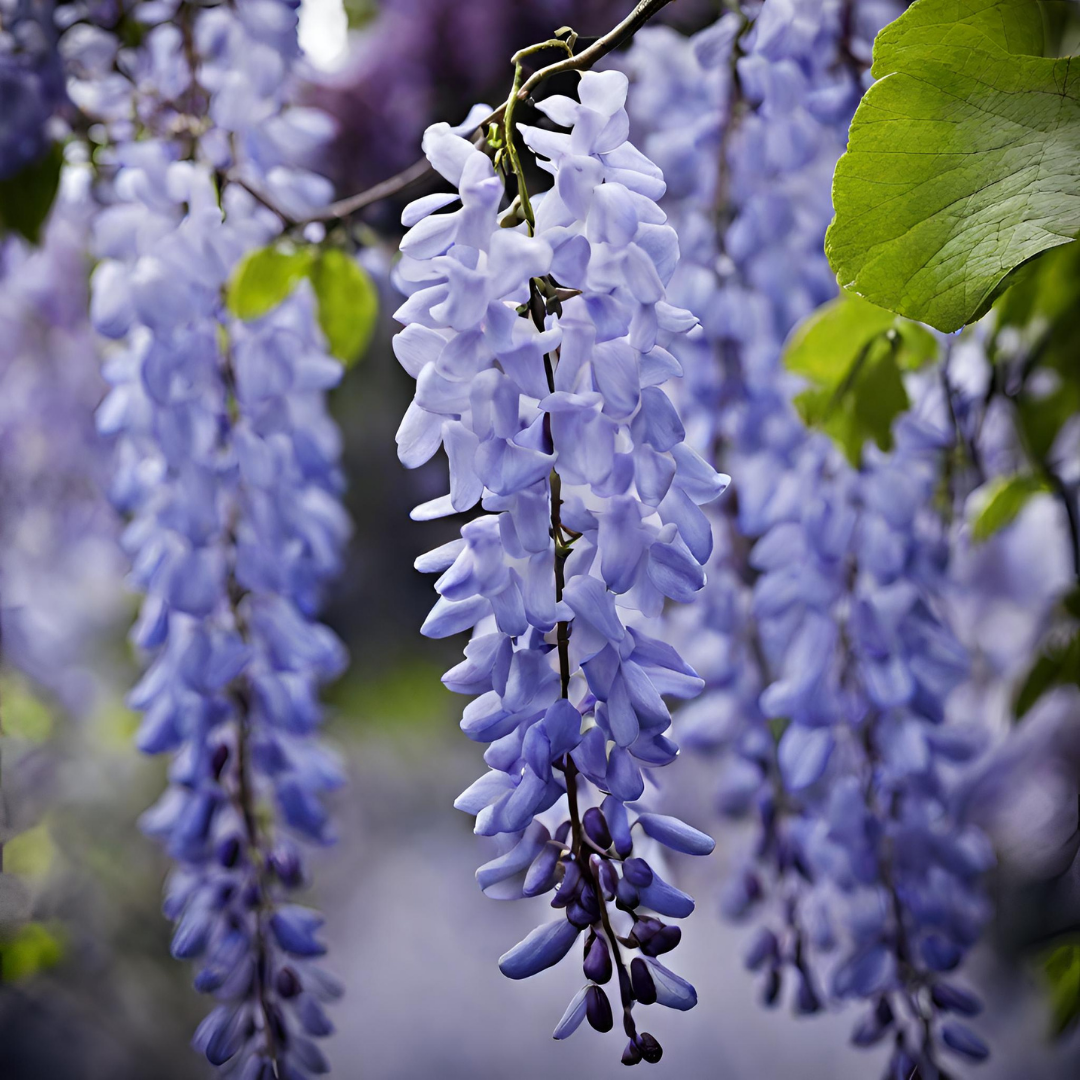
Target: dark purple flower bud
228	851
597	965
631	1055
664	940
276	1021
806	998
545	946
598	1009
596	828
288	983
873	1027
609	878
763	946
644	987
569	887
579	915
587	899
964	1041
637	872
650	1049
952	998
285	862
771	992
940	953
218	759
626	896
618	825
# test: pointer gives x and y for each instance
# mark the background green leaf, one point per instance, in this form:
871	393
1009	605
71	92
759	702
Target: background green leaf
853	352
963	160
264	278
1006	497
348	303
27	197
1061	967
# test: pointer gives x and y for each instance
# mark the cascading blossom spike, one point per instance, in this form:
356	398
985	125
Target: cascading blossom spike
227	468
540	358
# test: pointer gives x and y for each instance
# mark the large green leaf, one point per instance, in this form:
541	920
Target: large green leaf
963	160
852	353
27	197
348	303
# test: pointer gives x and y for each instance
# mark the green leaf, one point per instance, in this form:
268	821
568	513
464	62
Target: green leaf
27	197
1006	497
348	303
853	351
1057	665
1061	968
963	160
264	278
34	947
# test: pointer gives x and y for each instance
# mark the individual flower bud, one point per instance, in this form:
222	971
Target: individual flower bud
764	946
644	987
807	1001
544	946
952	998
637	872
650	1049
597	965
631	1055
626	896
596	828
568	889
771	992
288	983
608	877
598	1009
964	1041
664	940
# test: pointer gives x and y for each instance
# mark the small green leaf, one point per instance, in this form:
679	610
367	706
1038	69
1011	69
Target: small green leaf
264	278
853	352
27	197
1006	497
348	303
1061	968
1057	665
33	948
963	160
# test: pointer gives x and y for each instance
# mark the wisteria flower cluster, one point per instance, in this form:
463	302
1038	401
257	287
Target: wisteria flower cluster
821	617
539	358
227	465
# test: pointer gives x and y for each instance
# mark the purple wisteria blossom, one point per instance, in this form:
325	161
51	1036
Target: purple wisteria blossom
540	355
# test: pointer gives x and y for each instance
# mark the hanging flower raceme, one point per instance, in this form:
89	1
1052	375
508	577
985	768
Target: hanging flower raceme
227	465
827	627
540	357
